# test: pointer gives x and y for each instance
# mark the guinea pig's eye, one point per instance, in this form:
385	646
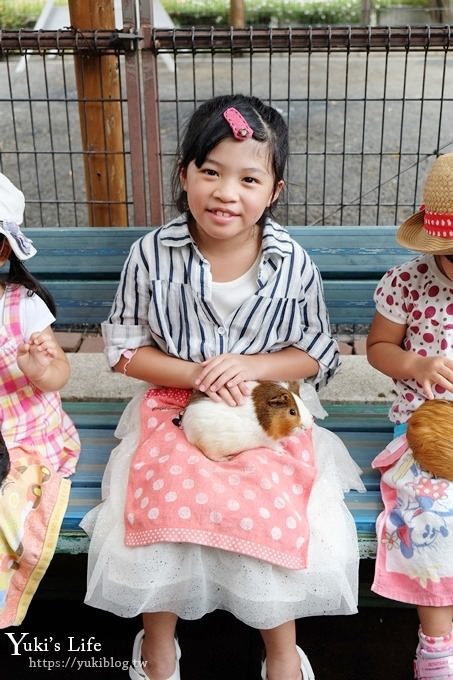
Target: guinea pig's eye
292	412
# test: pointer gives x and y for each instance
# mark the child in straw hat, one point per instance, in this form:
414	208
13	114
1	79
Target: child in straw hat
411	340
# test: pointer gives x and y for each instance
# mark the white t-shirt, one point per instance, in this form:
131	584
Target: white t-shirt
34	314
229	295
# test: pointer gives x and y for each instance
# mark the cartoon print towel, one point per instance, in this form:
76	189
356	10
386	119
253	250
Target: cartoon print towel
415	531
254	504
32	505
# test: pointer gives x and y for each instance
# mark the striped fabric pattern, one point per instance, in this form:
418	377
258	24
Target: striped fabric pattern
164	299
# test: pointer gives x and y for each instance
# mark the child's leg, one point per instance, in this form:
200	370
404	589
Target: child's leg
158	647
434	656
435	621
283	661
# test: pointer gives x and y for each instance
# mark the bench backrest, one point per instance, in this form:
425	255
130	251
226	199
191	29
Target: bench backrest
81	267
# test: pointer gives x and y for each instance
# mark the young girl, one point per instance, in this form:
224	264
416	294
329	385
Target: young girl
218	297
411	340
39	445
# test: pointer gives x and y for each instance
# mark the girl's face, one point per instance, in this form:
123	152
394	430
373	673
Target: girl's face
445	264
229	193
5	250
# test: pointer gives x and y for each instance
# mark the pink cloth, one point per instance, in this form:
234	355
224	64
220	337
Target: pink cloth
254	504
28	416
414	561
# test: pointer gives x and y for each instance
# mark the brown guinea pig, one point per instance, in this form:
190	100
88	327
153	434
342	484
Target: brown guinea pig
430	436
270	413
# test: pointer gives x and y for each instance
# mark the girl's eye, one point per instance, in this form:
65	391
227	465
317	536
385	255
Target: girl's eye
250	180
209	171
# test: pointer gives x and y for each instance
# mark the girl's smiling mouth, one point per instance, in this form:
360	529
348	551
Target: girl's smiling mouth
221	213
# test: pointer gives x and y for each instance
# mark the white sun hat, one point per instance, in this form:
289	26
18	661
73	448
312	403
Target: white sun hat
12	205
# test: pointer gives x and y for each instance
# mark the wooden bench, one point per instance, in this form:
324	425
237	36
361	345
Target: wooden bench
81	267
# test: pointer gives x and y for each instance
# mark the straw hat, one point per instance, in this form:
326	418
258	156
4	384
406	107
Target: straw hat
12	204
430	230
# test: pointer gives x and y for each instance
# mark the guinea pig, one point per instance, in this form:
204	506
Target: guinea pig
430	436
271	412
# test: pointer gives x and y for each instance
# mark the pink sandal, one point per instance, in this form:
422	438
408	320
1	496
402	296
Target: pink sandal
136	669
305	667
440	668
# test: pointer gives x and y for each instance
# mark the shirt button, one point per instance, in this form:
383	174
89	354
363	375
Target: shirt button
222	330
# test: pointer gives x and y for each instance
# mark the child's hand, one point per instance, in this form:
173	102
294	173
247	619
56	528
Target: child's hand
34	356
225	378
431	371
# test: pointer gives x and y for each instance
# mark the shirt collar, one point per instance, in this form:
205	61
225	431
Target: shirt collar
176	232
276	239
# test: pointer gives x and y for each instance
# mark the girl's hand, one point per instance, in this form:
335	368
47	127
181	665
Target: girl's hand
429	371
225	378
35	356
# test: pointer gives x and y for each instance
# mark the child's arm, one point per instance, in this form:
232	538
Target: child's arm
386	353
152	365
43	361
230	371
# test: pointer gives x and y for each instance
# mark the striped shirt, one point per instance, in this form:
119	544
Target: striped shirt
164	299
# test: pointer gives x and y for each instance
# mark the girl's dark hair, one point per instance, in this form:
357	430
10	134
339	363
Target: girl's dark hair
5	462
19	274
207	127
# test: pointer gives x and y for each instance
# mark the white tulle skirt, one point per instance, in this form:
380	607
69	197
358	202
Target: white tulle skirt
192	580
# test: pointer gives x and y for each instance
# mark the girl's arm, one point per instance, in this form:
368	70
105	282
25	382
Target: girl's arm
154	366
386	353
223	377
43	361
290	363
384	348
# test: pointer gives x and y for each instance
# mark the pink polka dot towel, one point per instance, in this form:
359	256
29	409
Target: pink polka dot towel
254	504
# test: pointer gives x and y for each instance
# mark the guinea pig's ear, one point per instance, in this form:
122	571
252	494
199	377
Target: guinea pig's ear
294	387
280	400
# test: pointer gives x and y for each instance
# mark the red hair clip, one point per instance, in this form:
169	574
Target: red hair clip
241	129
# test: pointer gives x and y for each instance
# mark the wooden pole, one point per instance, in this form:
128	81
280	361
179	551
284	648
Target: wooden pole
237	13
98	87
366	12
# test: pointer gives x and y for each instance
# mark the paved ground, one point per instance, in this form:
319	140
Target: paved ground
350	341
376	643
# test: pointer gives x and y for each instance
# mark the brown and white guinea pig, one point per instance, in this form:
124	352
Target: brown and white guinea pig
271	412
430	436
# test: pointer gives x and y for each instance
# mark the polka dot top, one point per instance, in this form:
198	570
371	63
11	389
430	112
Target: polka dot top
419	296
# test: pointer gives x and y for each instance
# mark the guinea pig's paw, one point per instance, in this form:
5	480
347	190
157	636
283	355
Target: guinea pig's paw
220	457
